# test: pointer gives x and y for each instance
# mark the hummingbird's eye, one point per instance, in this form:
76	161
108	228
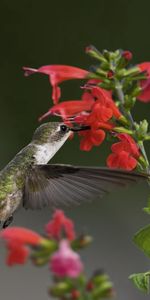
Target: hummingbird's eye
64	128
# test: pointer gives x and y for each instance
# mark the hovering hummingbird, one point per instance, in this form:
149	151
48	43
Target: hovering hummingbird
30	181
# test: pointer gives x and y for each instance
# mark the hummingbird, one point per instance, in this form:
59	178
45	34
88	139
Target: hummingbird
30	181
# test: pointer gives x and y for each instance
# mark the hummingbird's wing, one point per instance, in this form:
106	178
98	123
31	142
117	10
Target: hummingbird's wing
53	185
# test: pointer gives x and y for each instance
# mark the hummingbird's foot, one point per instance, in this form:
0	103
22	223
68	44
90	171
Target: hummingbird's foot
8	222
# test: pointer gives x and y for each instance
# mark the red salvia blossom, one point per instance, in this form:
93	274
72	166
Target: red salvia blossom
100	114
145	84
67	109
125	153
104	98
17	239
90	138
58	74
60	225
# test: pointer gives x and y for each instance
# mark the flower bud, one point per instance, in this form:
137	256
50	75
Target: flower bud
127	55
81	242
110	74
75	294
92	51
90	286
60	289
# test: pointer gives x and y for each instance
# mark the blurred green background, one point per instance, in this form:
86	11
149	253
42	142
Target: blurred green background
35	33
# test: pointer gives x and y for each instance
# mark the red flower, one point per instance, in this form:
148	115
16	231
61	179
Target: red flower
125	153
65	261
59	225
17	239
103	109
67	109
58	74
145	84
90	138
104	98
100	113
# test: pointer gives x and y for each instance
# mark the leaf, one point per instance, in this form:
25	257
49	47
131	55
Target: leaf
142	239
141	281
147	209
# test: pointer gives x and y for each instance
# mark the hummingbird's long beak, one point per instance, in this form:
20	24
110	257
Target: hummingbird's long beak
80	128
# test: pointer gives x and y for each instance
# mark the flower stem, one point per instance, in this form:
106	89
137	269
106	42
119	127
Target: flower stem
120	94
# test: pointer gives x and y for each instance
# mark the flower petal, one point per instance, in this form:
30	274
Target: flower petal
123	160
145	84
97	137
20	235
67	109
58	74
86	144
17	255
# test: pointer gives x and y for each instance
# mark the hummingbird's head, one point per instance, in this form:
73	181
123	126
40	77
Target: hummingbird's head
49	137
51	132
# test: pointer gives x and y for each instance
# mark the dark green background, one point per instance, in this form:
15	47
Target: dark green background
35	33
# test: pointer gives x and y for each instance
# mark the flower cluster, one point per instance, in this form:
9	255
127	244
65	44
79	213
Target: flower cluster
57	248
125	153
109	93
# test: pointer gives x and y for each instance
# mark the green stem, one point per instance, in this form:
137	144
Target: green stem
128	115
120	95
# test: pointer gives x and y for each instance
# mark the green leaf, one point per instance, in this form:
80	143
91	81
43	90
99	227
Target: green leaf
147	209
142	239
141	281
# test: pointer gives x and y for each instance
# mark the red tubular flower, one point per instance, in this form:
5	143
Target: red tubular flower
104	98
125	153
65	262
90	138
103	109
67	109
145	84
60	224
58	74
17	239
100	113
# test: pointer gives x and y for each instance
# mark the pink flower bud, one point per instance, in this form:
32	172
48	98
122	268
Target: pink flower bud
66	262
